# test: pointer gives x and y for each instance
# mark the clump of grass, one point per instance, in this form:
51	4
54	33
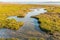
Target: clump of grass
9	39
10	24
13	24
49	22
32	38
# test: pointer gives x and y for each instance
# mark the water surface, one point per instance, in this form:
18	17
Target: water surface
29	29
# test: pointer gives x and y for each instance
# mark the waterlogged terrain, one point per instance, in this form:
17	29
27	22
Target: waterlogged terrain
40	22
30	29
50	23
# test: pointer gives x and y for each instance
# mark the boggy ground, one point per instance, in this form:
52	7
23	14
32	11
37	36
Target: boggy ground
20	10
50	23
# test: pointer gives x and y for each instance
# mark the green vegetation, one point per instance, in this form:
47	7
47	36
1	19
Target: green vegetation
13	10
49	22
9	39
10	24
53	9
13	24
7	9
41	39
33	38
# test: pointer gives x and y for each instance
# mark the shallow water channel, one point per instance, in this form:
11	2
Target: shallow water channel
29	29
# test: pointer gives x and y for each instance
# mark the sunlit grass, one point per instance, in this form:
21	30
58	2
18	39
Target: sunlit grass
10	24
9	39
49	22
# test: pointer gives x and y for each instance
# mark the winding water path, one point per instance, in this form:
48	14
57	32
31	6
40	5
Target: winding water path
29	29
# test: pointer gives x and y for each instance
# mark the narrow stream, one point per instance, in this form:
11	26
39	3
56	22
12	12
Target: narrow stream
29	29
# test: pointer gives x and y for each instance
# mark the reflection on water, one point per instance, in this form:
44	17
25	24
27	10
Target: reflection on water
30	27
35	12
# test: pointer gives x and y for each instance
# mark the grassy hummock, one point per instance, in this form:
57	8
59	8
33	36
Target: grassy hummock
49	22
10	24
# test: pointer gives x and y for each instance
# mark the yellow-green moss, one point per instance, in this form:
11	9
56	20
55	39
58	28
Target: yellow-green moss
53	9
49	22
9	39
10	24
7	9
13	24
32	38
